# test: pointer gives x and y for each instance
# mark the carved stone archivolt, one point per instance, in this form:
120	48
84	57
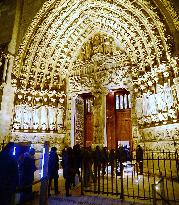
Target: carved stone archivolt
56	47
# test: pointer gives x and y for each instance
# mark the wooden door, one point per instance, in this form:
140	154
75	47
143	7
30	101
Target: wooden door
123	125
118	119
88	129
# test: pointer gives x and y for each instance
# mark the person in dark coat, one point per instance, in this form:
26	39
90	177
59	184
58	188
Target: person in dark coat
77	161
68	168
8	175
97	157
104	159
112	159
121	157
139	158
87	166
27	176
53	167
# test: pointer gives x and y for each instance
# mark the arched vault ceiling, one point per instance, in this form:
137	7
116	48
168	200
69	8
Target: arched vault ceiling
57	34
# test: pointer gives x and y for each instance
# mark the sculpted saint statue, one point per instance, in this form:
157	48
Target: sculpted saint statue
168	95
27	117
145	104
160	98
177	89
18	116
36	117
52	117
152	104
139	107
44	118
60	117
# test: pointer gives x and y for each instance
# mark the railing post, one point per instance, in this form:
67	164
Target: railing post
44	176
122	187
82	176
154	194
177	164
162	190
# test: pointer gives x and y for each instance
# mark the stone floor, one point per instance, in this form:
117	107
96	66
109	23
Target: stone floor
78	199
88	198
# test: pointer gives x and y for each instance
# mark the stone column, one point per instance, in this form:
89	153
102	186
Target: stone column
105	136
73	111
6	112
99	117
7	105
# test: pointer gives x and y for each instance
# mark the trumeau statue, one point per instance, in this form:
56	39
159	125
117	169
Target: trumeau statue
44	117
161	103
139	107
168	95
52	112
152	104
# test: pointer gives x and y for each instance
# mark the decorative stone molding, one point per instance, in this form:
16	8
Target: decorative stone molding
38	139
165	137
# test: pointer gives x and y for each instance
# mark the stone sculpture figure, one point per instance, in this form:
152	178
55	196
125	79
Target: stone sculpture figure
44	118
26	117
145	104
36	117
60	117
139	107
52	112
161	103
18	116
152	104
168	95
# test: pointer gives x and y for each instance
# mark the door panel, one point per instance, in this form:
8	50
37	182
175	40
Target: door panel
88	129
123	125
118	123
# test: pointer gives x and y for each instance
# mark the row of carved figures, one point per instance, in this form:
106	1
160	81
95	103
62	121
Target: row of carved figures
39	117
160	105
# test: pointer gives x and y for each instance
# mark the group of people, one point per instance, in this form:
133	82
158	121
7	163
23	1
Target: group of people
16	174
93	163
20	173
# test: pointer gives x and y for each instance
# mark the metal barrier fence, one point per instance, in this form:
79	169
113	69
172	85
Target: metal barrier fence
123	179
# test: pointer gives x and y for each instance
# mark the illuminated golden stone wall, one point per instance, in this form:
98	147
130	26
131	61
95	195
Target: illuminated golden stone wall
92	46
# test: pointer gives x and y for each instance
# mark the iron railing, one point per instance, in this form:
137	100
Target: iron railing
123	179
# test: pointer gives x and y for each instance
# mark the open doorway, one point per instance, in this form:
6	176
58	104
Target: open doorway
118	118
84	120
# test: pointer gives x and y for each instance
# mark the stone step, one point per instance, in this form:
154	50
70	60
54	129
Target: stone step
89	200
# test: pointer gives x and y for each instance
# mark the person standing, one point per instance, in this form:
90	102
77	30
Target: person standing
27	176
8	175
77	161
97	158
53	167
139	158
68	168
